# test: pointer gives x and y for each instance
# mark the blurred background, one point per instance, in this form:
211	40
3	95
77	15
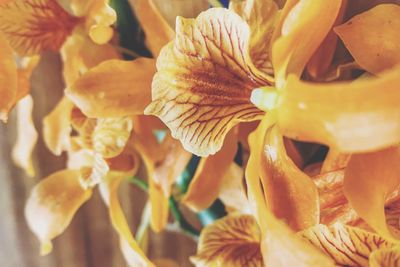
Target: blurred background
89	241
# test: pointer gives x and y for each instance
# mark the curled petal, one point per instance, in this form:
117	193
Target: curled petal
209	176
347	246
373	38
340	116
57	127
300	35
385	258
114	88
204	80
231	241
157	30
52	205
100	18
8	79
369	180
111	135
290	193
27	136
33	26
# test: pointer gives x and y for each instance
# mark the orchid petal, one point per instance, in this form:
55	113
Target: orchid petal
385	258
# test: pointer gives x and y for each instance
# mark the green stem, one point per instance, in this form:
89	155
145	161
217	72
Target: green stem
185	226
215	3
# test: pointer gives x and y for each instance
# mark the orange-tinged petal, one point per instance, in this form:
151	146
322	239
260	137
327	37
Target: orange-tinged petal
99	20
261	15
129	245
347	246
204	80
334	161
340	116
28	64
26	136
290	193
52	205
159	206
389	257
369	180
231	241
209	176
33	26
57	127
373	38
157	31
300	35
114	88
80	54
162	262
8	79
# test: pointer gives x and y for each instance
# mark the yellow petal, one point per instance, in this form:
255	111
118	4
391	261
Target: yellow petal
261	16
385	258
80	54
111	135
304	25
57	127
340	116
52	205
369	180
231	241
334	161
204	80
114	88
8	79
157	31
347	246
290	193
34	26
26	136
129	246
372	37
209	176
100	18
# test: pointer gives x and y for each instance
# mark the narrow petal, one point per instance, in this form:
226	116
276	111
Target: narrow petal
204	80
261	15
231	241
27	65
370	178
8	79
157	30
208	180
114	88
340	115
300	35
57	127
128	243
290	193
385	258
52	205
26	136
33	26
347	246
373	38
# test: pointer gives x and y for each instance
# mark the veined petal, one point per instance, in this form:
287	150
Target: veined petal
157	30
57	127
128	244
261	15
114	88
33	26
26	136
347	246
208	180
340	116
369	180
385	258
111	135
232	241
52	205
300	35
289	192
372	37
8	79
204	80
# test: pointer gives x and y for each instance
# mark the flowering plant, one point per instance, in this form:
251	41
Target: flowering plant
278	118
